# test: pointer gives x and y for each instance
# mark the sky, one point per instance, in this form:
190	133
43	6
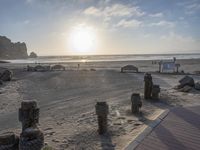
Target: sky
116	26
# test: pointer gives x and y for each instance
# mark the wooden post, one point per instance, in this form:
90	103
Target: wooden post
147	85
159	63
136	102
9	141
102	112
155	92
28	114
31	137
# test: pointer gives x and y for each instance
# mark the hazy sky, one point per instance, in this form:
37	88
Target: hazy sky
119	26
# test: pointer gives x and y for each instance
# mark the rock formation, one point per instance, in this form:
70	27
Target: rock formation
186	84
187	80
33	55
10	50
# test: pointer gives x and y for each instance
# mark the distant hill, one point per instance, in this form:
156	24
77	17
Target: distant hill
10	50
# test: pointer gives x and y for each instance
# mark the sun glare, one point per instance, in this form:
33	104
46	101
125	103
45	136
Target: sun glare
82	39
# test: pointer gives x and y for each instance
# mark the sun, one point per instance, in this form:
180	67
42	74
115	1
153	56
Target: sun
82	39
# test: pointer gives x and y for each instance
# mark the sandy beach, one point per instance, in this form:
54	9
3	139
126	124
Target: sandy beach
67	101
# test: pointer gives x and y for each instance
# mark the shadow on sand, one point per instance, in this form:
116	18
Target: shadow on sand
90	140
106	142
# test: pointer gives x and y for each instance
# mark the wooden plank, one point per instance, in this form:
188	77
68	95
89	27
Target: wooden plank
180	130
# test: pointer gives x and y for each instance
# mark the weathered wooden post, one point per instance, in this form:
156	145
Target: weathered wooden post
136	102
160	64
147	85
9	141
29	114
177	67
102	112
31	137
155	92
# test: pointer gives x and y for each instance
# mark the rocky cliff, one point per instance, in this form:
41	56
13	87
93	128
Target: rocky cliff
10	50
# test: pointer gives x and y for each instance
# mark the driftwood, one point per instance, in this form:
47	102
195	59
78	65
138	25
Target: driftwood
58	67
129	68
38	68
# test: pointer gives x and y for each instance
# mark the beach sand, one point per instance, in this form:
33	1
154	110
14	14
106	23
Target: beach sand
67	101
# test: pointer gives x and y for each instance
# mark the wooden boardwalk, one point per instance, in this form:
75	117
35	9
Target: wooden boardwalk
180	130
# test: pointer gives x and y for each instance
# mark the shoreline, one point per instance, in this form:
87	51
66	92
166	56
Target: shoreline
189	66
104	58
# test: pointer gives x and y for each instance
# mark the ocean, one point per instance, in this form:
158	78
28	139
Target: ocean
100	58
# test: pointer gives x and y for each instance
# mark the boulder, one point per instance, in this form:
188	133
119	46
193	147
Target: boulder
186	88
197	85
6	75
33	55
186	81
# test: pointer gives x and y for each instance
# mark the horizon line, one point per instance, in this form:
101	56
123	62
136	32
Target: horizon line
198	53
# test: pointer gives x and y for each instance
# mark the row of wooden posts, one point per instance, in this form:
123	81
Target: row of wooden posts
32	138
151	91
